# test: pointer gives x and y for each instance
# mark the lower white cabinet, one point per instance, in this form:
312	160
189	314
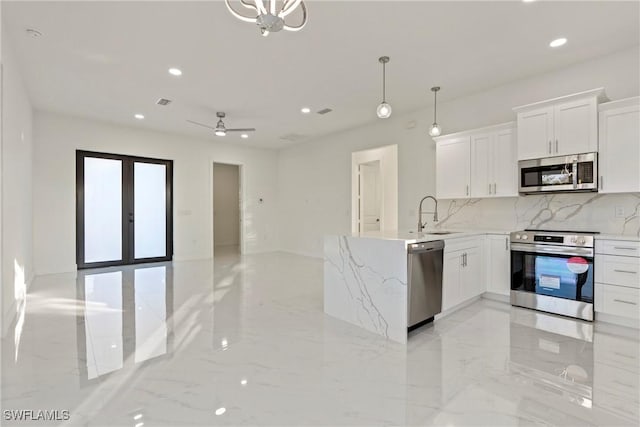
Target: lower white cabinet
617	277
462	272
498	262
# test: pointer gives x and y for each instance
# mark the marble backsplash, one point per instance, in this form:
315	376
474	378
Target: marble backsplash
577	211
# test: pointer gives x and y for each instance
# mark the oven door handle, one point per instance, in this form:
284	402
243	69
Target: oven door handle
554	250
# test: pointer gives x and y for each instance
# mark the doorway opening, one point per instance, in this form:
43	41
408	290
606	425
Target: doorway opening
227	212
374	189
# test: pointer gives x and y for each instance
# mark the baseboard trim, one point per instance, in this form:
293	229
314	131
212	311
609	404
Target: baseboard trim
497	297
604	318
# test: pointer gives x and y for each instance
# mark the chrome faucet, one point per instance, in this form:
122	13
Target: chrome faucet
422	225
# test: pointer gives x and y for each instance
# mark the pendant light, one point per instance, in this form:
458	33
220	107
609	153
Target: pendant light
384	109
435	129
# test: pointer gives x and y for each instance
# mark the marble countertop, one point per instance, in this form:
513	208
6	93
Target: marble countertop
626	238
415	237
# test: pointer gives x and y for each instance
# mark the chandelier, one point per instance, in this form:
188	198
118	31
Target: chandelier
269	15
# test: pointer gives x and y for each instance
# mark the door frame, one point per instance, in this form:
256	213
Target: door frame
128	231
243	203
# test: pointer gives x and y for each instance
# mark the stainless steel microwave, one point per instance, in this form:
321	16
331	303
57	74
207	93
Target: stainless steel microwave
577	173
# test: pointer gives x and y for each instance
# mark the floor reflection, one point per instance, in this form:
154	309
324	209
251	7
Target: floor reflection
126	318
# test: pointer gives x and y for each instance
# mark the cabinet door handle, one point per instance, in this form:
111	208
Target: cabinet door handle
549	146
556	145
467	189
601	182
625	248
506	243
625	302
462	260
495	186
626	271
465	259
489	188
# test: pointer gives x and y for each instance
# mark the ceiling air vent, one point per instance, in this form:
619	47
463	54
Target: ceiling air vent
325	111
163	101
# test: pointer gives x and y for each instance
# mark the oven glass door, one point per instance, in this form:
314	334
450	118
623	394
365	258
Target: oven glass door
563	276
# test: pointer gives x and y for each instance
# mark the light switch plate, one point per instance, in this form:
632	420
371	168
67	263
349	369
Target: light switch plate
620	212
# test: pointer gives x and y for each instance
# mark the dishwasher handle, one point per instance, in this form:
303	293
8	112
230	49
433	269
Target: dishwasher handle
416	248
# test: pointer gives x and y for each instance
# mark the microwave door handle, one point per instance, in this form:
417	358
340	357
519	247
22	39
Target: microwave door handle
575	173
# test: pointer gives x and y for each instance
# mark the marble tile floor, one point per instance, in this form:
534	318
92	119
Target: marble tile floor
243	340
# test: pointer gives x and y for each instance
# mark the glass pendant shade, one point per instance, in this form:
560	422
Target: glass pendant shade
435	129
384	110
220	133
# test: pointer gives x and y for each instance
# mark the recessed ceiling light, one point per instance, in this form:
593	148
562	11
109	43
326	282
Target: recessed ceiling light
558	42
221	411
139	116
244	136
175	71
305	110
528	1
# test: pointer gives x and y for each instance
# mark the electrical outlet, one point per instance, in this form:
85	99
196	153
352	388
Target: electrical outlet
620	212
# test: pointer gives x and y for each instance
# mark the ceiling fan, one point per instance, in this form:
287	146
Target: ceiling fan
220	129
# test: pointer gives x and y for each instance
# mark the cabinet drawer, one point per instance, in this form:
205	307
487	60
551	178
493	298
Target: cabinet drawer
617	300
618	247
617	270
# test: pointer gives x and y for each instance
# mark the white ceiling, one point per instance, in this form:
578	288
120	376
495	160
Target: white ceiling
109	60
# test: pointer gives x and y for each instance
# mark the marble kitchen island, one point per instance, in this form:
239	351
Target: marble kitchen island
365	279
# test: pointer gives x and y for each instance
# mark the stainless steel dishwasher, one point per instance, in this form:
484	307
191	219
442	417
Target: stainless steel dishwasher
425	282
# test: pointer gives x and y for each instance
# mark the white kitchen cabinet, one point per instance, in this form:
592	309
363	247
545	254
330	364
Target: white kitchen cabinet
452	170
560	126
462	272
490	166
619	146
498	262
493	162
617	281
535	133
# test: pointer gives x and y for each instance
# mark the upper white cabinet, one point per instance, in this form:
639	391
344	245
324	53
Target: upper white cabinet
560	126
493	162
452	167
477	163
619	146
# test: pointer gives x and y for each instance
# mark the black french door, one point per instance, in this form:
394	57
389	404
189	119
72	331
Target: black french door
124	207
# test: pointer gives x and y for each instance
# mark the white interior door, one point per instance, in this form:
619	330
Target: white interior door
370	196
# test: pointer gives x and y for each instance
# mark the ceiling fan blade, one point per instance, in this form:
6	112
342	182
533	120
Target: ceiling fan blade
201	124
242	130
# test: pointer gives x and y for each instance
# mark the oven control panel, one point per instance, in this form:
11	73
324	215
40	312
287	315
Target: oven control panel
552	238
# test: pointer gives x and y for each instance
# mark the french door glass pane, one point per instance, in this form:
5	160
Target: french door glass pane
150	200
151	312
103	323
102	210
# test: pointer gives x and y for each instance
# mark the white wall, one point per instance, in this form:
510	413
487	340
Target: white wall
314	178
226	212
57	137
17	151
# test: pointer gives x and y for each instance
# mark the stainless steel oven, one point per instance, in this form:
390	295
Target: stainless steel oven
577	173
552	271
